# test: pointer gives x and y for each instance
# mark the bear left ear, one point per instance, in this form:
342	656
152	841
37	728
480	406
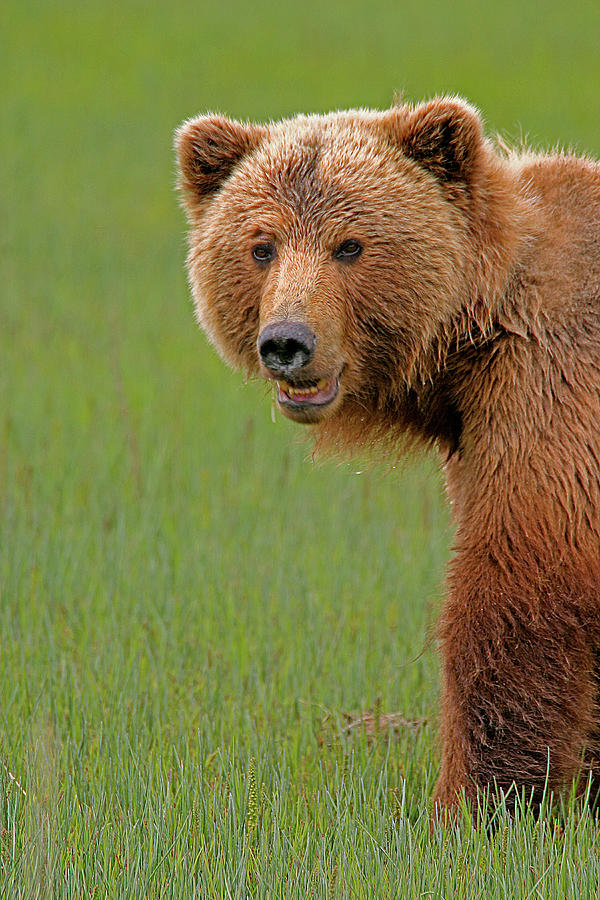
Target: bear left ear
444	136
208	148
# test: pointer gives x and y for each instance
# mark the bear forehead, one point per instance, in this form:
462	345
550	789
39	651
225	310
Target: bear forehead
336	145
315	166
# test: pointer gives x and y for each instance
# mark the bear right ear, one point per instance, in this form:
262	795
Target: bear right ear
208	148
444	136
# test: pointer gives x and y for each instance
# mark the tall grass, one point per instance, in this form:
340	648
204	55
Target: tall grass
195	619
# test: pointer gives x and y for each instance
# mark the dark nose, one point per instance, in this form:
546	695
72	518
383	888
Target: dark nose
286	347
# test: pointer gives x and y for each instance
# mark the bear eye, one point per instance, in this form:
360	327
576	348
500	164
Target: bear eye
348	250
263	253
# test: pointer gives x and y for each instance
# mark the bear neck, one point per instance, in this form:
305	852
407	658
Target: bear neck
524	471
502	223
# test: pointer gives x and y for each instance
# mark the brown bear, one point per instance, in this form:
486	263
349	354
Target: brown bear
401	279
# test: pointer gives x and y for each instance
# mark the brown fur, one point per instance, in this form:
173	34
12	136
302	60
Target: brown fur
471	321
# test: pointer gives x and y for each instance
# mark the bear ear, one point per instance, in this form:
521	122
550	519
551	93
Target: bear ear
208	148
444	136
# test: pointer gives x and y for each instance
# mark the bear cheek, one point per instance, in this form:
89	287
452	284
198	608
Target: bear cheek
389	330
234	324
227	305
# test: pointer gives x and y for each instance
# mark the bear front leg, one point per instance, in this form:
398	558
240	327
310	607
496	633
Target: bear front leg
518	693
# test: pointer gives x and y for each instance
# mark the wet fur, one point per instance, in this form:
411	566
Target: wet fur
471	323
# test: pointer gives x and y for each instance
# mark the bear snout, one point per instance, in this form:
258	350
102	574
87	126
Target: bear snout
286	347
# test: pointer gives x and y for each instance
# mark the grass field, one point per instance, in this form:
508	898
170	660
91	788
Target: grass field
191	611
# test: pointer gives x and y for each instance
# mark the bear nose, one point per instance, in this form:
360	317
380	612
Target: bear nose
286	347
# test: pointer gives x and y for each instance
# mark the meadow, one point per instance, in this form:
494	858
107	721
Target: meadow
198	622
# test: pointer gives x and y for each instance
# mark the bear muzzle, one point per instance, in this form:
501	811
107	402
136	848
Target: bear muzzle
286	350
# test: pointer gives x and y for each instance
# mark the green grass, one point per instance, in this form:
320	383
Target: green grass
190	609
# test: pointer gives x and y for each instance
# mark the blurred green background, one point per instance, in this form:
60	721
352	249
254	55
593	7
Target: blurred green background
174	571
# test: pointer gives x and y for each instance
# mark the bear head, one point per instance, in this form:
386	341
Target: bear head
333	254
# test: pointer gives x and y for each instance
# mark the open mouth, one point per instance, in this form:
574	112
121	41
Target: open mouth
318	393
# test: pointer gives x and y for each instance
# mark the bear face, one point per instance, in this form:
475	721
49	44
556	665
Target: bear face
330	254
